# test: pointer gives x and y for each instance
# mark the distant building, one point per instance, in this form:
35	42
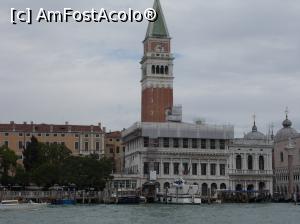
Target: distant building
198	153
287	160
114	149
250	163
80	139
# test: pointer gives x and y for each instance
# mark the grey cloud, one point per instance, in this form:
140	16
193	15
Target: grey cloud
235	58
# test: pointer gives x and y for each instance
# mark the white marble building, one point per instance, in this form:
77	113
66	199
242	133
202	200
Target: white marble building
250	163
196	152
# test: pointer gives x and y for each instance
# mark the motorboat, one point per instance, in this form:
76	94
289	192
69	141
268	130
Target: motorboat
15	204
181	193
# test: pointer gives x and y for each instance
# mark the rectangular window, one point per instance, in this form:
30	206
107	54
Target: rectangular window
175	142
166	143
97	146
176	168
6	143
20	134
222	169
185	143
63	143
28	134
47	135
222	144
156	167
86	136
86	146
76	135
146	168
55	135
194	169
203	143
111	150
146	142
118	149
166	168
39	134
6	134
155	142
203	168
212	169
76	145
281	156
97	136
63	135
20	145
194	143
185	168
212	144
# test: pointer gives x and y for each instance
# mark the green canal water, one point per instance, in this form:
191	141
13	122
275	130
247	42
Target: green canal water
156	214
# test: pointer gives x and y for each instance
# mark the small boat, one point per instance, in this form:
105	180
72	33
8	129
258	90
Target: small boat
181	193
15	204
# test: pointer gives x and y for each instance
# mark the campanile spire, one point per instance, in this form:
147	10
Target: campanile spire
157	70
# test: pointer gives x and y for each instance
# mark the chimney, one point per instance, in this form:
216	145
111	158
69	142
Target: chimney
51	128
104	129
25	123
66	123
92	128
31	122
99	124
12	122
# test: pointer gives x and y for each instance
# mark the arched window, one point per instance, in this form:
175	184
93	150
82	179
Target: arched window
261	186
238	162
204	189
261	163
157	186
214	188
153	69
166	185
223	186
250	162
162	70
250	187
157	69
238	187
166	70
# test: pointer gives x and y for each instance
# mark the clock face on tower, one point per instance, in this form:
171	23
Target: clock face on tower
159	48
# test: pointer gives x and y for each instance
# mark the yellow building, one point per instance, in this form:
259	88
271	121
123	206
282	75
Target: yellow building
114	149
80	139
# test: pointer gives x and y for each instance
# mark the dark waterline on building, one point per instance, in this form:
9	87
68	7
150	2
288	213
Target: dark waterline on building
155	214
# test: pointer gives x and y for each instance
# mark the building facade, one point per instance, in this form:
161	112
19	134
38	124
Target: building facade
287	160
250	163
114	149
80	139
196	152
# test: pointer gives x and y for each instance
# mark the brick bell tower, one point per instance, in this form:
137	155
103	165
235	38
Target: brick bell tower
157	70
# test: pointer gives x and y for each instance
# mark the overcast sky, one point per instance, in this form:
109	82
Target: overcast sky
233	58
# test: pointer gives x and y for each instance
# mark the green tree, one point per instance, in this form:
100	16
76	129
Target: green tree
8	164
33	154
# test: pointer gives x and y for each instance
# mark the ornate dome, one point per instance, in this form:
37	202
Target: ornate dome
286	132
254	134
